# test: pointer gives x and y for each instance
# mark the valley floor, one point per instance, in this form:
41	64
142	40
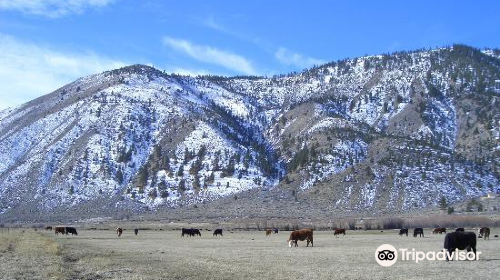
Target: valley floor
155	254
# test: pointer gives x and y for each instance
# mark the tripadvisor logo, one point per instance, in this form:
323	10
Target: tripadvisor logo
387	255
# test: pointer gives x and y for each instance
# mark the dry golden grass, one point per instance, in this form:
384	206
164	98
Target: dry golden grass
26	254
239	255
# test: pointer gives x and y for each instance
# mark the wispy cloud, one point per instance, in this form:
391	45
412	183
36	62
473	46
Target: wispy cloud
282	54
210	22
287	57
52	8
28	70
211	55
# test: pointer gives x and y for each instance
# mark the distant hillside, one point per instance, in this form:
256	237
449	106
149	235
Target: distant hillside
386	133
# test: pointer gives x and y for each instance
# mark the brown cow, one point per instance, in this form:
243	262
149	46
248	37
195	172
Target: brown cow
61	230
484	232
119	231
268	232
301	234
439	230
339	231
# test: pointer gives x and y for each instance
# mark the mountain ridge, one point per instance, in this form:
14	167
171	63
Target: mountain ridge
385	133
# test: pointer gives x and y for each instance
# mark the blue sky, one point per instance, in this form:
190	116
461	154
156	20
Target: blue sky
45	44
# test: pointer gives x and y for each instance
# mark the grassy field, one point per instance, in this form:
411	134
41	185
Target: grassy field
154	254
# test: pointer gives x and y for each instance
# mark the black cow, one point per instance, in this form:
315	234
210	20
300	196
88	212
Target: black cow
460	229
190	231
418	231
403	231
48	228
217	232
136	231
276	230
71	230
460	240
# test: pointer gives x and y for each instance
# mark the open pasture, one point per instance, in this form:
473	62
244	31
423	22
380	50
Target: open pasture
154	254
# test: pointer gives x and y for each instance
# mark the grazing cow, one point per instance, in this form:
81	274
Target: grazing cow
460	240
119	231
61	230
275	230
71	230
268	232
48	228
484	232
301	234
460	229
217	232
136	231
190	231
339	231
403	231
439	230
418	231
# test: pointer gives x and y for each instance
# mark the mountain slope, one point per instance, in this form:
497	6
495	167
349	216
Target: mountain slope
380	133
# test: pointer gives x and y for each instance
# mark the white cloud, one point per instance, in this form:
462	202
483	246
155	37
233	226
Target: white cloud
52	8
211	23
28	70
211	55
287	57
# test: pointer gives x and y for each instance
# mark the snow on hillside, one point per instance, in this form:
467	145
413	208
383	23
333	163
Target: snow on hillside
343	155
145	137
213	150
329	123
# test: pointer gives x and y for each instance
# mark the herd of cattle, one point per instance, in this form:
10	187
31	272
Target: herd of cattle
63	230
269	231
483	232
458	239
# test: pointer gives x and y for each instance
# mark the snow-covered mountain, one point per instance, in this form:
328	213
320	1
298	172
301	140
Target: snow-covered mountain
384	133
